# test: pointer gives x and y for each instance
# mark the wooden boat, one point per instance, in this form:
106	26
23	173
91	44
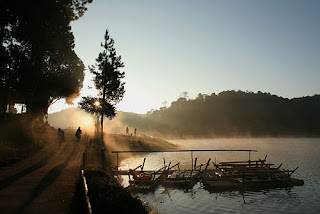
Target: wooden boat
145	181
249	175
254	184
184	179
236	175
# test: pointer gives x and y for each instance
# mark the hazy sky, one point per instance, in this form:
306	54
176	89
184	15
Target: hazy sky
204	46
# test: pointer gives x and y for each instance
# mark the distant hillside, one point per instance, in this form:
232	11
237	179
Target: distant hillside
75	117
227	114
238	113
69	118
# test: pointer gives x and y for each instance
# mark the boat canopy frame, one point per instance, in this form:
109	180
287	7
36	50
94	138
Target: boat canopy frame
185	150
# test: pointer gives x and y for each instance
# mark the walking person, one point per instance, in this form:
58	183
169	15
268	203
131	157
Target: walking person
78	135
135	132
127	130
60	137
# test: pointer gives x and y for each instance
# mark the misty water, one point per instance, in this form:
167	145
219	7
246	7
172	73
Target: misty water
291	152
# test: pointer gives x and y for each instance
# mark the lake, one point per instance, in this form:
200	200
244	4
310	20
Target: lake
291	152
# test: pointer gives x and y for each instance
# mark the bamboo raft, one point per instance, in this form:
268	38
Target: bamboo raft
225	176
145	181
248	175
184	179
142	181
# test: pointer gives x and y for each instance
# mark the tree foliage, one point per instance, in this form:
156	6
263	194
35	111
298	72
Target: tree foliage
89	104
37	59
107	79
231	114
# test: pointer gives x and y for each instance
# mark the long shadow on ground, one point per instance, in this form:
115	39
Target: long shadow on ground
48	179
9	180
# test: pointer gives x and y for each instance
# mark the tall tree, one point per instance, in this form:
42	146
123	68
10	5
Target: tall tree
108	82
37	59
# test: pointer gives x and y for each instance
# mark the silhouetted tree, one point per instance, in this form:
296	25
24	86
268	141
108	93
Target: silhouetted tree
107	80
37	59
184	94
234	113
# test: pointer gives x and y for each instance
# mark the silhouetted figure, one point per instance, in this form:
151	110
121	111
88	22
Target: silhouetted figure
78	134
60	137
127	130
135	132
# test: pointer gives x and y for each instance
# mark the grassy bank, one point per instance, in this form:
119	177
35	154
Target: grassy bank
105	192
107	196
120	142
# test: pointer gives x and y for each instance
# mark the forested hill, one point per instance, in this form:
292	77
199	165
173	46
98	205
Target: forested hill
237	113
227	114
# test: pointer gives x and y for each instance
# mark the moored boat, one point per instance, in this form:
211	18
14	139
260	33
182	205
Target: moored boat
184	179
249	175
145	181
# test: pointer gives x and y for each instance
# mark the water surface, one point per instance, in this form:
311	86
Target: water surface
291	152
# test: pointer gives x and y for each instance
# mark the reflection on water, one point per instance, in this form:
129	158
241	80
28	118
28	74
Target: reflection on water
292	152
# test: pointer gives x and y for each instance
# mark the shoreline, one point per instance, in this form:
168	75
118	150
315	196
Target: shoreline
105	190
240	137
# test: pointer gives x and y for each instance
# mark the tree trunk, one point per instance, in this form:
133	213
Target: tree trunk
3	101
102	114
101	126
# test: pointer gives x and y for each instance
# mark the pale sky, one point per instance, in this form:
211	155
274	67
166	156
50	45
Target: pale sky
204	46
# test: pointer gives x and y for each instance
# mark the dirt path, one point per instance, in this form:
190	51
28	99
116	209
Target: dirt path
43	183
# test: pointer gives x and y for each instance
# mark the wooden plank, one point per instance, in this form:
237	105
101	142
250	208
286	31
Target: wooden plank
125	172
244	165
231	162
264	172
188	150
248	169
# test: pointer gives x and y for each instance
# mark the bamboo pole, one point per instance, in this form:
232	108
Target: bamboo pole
144	160
207	164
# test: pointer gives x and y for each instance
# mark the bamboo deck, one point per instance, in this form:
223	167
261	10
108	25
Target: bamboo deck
235	175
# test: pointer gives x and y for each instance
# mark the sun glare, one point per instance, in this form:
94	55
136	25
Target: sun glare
97	103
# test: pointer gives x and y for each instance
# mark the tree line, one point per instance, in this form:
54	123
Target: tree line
232	114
